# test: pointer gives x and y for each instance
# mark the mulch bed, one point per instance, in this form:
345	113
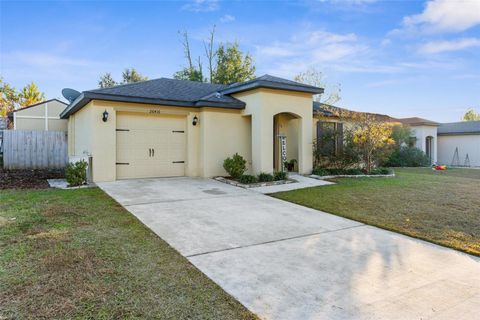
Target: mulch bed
28	179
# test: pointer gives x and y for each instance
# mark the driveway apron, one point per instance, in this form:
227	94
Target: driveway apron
285	261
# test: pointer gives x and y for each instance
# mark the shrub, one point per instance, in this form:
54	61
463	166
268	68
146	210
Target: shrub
76	173
235	166
354	172
265	177
407	157
337	171
320	172
280	175
380	171
247	179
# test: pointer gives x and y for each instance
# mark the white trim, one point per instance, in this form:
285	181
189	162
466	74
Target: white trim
14	121
35	117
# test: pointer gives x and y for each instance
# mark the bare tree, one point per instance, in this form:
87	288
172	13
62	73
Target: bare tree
210	53
316	78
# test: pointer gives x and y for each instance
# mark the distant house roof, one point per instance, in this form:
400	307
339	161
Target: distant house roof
328	110
184	93
459	128
10	114
415	121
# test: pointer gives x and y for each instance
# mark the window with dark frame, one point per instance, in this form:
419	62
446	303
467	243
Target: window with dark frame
329	138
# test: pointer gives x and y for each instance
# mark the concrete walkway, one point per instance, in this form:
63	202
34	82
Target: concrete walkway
285	261
303	182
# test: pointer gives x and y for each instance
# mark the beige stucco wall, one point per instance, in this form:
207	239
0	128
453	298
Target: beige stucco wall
224	133
421	133
262	105
219	134
34	118
466	144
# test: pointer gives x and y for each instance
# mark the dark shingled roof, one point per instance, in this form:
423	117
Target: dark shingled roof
164	89
415	121
184	93
459	128
268	81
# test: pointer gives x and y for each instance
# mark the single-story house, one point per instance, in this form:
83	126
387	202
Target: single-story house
40	116
459	143
166	127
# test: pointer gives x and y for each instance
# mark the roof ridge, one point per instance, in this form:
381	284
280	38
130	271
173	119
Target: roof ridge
461	122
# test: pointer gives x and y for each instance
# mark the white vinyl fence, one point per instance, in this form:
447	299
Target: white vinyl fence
34	149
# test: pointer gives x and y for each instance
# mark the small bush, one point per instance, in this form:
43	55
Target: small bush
265	177
320	172
76	173
280	175
337	171
380	171
407	157
354	172
235	166
247	179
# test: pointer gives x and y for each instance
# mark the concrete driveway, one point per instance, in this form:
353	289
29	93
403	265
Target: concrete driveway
285	261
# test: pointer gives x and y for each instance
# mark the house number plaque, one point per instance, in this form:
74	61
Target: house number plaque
283	150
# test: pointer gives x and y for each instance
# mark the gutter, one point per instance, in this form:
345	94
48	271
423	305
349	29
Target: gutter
85	97
269	85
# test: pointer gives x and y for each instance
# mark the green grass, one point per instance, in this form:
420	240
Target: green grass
77	254
442	207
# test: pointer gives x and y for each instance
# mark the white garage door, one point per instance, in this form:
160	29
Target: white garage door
150	146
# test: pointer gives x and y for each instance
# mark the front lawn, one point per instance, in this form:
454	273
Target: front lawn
78	254
441	207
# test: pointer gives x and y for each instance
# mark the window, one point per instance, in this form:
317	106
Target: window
329	138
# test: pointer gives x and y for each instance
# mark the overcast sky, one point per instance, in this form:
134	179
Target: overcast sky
402	58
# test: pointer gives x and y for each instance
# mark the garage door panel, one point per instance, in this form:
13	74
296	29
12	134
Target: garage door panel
163	134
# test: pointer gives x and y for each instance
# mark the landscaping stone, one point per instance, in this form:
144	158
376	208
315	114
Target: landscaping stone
254	185
63	184
314	176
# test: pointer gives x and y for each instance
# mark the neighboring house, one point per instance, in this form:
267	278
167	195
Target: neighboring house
459	143
40	116
166	127
425	133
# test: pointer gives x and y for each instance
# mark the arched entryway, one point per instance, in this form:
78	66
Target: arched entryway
429	145
286	141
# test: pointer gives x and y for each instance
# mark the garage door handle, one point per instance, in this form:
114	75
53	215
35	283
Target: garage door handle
149	152
153	152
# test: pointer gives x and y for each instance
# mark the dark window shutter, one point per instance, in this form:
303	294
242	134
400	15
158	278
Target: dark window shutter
339	138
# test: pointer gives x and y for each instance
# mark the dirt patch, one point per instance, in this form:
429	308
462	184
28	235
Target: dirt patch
28	179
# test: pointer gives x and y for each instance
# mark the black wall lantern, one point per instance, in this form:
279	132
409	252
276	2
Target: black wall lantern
195	121
105	116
